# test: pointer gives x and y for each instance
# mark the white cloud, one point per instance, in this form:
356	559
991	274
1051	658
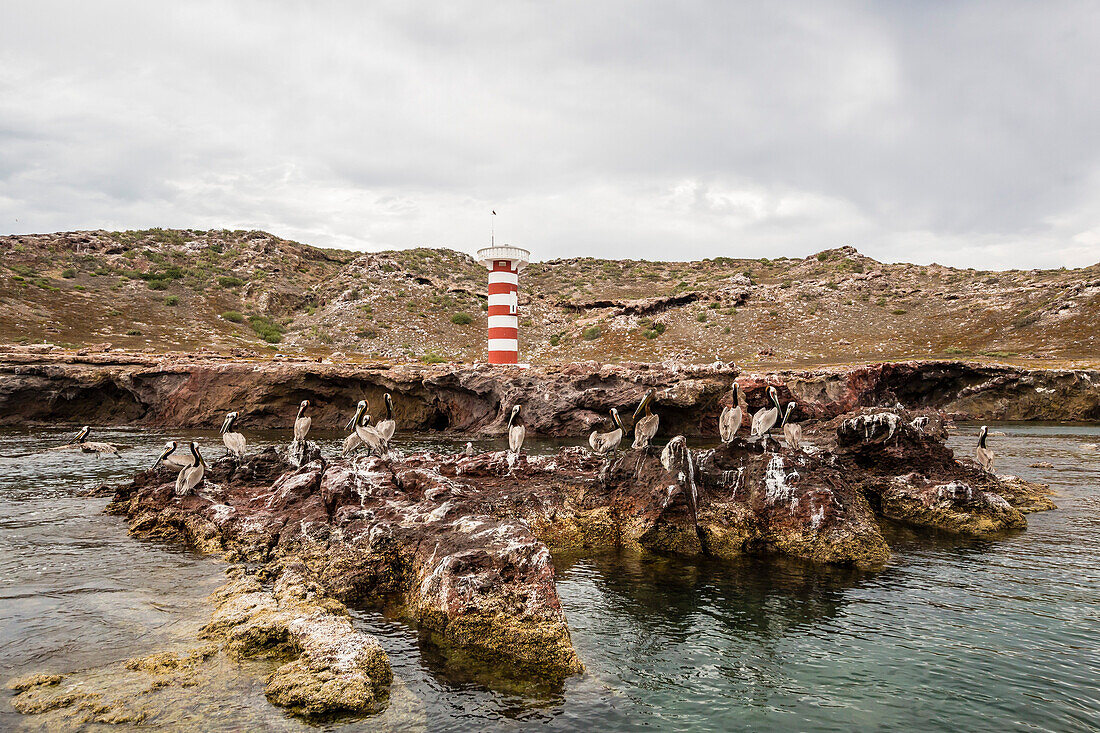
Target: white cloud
967	134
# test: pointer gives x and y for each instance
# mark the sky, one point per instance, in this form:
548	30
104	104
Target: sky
964	133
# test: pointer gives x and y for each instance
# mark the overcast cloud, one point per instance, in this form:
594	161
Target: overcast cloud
966	133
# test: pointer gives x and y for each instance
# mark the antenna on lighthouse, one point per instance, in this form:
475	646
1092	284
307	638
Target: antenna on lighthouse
493	229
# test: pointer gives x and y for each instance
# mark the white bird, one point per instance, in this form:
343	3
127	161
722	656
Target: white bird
387	427
984	455
516	431
603	443
375	443
190	476
88	446
234	442
646	427
301	422
766	417
729	422
353	442
170	460
468	450
792	432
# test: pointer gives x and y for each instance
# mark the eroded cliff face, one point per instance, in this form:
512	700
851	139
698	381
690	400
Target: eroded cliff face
569	400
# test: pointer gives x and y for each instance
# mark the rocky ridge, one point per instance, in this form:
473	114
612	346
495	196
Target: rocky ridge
182	290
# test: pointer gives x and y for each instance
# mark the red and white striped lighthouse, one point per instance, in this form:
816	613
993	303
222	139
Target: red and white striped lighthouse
504	263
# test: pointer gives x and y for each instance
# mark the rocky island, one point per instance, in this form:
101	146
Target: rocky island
461	545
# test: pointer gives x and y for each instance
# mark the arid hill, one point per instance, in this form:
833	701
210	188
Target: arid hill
182	290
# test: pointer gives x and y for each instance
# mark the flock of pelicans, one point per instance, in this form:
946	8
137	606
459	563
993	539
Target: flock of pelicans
375	438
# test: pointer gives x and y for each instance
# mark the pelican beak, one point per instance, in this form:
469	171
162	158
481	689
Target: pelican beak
355	417
225	425
163	454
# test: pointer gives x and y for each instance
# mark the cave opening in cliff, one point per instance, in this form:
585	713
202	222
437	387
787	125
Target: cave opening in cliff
439	421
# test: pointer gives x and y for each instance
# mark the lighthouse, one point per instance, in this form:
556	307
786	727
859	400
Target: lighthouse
504	263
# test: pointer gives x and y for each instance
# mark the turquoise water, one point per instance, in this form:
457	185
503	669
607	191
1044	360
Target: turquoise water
952	635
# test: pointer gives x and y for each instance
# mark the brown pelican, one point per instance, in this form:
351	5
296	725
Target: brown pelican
766	417
646	427
984	455
372	439
468	450
603	443
729	422
301	422
791	431
88	446
387	427
234	442
170	460
516	431
190	476
353	442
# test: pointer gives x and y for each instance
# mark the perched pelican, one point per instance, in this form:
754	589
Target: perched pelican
984	455
516	431
468	450
88	446
729	422
603	443
234	442
766	417
387	427
353	442
372	439
302	423
791	431
646	427
190	476
170	460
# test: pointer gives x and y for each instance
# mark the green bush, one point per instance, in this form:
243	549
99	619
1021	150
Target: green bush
432	358
462	319
266	329
822	256
157	284
172	300
133	332
591	333
233	317
555	339
899	311
651	333
68	273
702	317
229	281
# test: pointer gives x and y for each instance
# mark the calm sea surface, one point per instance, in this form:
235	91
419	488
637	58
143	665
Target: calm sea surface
953	635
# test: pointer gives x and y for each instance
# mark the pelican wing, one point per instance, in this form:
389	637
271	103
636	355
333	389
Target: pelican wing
515	438
729	423
235	442
301	427
985	458
175	462
605	442
386	428
645	429
793	434
372	439
352	443
101	448
763	421
188	479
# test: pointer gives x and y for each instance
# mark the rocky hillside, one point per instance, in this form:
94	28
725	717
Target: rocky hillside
244	292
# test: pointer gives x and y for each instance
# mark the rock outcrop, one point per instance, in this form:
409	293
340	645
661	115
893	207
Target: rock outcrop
559	400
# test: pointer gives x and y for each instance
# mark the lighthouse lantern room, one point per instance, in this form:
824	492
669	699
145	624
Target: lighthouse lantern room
504	263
